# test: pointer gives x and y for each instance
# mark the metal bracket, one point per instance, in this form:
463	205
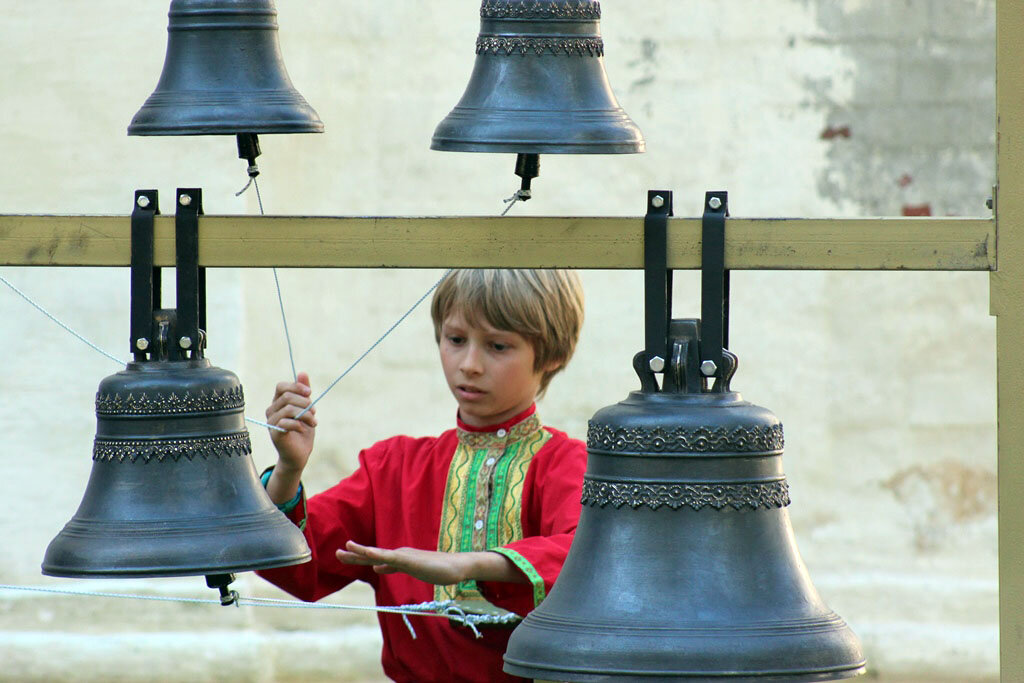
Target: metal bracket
167	334
714	309
689	352
657	280
191	279
145	279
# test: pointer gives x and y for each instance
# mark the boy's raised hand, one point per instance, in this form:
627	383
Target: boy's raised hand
295	444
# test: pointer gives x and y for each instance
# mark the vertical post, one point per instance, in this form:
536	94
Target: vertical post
714	291
186	241
657	279
1007	304
144	287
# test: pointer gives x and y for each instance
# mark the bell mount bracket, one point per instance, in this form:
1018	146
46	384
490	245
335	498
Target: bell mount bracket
157	333
688	352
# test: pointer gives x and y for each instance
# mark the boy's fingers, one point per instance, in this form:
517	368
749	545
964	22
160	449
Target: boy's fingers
277	415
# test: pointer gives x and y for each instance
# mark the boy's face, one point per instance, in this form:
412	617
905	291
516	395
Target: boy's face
489	371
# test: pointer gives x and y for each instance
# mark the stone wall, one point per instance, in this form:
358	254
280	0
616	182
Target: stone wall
885	381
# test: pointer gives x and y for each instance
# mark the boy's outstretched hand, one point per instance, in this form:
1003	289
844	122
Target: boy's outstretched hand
433	566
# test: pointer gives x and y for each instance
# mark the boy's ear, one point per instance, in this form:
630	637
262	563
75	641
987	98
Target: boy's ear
553	366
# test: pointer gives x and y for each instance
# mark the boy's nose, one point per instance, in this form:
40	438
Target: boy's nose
471	361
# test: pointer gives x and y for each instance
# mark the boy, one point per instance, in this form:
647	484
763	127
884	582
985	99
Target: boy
484	513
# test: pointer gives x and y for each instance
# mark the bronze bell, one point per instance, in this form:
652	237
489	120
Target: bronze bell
173	489
684	565
224	75
539	87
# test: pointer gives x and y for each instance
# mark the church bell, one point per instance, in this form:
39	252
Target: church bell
224	75
684	565
173	489
539	87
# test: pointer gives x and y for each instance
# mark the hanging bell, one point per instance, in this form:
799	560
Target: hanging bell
684	566
224	75
538	87
173	489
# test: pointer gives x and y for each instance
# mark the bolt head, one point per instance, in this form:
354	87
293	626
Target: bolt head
185	199
657	364
142	343
185	342
708	368
657	201
142	201
715	203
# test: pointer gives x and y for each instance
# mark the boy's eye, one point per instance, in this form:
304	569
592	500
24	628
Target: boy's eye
455	339
499	346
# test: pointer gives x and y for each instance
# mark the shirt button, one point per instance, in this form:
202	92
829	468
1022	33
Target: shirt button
502	432
490	461
479	524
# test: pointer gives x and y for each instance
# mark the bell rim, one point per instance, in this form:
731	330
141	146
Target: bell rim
576	676
149	572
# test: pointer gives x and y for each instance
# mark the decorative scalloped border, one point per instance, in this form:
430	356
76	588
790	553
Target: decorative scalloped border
754	495
108	450
580	47
759	439
587	10
162	404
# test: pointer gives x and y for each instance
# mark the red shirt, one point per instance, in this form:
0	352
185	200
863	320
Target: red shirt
398	497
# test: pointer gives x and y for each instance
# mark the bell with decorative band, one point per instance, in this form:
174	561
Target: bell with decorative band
538	87
173	489
224	75
684	565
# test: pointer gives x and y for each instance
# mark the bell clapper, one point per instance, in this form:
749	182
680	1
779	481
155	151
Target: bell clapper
248	149
527	168
221	582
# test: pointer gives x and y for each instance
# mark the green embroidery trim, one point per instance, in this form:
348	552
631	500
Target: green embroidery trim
469	504
447	540
527	568
498	493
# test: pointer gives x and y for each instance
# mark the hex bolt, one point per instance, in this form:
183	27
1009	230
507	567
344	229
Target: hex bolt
708	368
657	364
142	201
185	199
715	203
185	342
142	343
657	201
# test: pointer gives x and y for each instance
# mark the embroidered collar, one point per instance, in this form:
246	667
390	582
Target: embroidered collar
498	436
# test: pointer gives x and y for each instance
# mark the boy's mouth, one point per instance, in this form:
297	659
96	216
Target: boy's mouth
469	391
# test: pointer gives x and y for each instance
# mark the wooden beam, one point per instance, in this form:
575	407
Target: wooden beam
943	244
1007	303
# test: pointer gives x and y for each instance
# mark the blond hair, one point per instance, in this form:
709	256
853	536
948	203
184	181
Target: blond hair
544	306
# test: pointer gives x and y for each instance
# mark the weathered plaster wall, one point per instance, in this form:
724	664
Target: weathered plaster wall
885	381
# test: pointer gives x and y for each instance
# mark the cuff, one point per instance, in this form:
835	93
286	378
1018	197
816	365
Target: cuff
288	507
536	581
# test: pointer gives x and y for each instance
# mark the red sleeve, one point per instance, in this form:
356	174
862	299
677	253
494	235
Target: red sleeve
551	510
329	519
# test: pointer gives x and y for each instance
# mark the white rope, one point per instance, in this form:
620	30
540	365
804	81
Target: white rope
448	608
373	346
51	317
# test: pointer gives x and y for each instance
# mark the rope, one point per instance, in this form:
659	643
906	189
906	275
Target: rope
520	195
448	608
373	346
68	329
